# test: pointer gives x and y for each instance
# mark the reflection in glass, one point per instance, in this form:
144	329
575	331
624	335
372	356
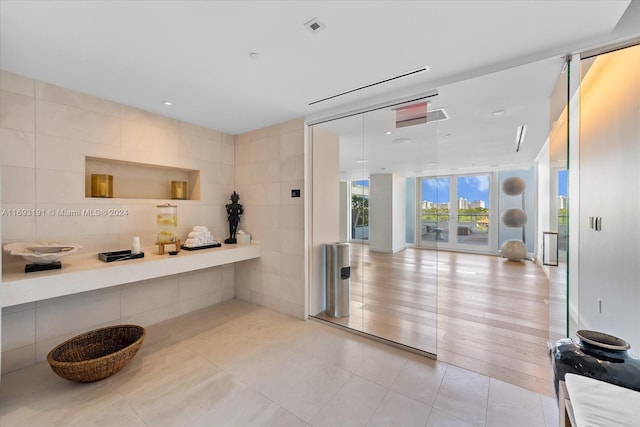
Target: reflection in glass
360	209
435	206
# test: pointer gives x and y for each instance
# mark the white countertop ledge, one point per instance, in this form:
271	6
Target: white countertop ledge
82	274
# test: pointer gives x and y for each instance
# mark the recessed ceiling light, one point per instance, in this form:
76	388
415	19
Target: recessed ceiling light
362	161
448	135
388	132
255	56
383	169
315	25
498	113
167	103
401	140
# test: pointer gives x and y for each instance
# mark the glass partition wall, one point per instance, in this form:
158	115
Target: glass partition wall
364	173
426	214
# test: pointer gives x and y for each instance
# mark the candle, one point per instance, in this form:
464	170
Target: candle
179	190
101	185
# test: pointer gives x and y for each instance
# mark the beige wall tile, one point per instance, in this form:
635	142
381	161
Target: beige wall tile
270	262
141	219
79	312
75	123
16	111
227	293
60	95
242	174
265	149
243	153
61	153
148	295
19	358
151	119
17	228
196	303
153	316
292	168
294	310
273	193
18	329
16	83
226	175
199	283
259	174
240	293
264	159
196	147
292	218
191	129
17	148
54	186
18	185
291	145
292	266
291	290
292	125
292	241
142	136
228	150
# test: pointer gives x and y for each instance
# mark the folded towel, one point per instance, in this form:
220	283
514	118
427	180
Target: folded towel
194	234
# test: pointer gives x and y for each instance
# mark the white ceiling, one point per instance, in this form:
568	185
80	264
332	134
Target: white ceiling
196	53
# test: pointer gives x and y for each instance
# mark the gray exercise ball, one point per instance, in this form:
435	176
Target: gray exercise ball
514	250
514	218
513	186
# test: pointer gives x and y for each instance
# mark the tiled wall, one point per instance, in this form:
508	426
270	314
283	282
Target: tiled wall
269	164
46	132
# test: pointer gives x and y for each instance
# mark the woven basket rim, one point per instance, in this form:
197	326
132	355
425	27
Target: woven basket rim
57	363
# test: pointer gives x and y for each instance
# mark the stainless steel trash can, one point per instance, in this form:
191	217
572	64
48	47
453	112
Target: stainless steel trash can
338	279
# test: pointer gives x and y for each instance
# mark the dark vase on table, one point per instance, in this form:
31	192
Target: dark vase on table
596	355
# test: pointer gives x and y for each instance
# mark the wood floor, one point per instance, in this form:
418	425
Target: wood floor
493	314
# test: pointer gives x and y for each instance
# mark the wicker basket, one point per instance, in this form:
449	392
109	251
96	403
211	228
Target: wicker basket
96	354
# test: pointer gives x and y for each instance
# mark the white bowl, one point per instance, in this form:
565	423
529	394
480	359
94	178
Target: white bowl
41	252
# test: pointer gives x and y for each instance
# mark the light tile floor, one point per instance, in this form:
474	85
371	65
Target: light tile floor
235	364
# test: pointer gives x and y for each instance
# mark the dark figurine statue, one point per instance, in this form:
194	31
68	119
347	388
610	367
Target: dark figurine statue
234	210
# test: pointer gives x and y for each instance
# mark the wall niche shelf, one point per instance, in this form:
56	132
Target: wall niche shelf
141	180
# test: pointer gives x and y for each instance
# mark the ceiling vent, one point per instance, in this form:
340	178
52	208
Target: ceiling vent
417	114
315	25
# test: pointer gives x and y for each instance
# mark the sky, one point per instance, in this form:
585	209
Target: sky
562	183
469	187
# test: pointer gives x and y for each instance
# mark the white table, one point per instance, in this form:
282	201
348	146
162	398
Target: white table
587	402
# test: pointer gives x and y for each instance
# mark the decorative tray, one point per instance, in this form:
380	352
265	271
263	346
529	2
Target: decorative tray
197	248
119	255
